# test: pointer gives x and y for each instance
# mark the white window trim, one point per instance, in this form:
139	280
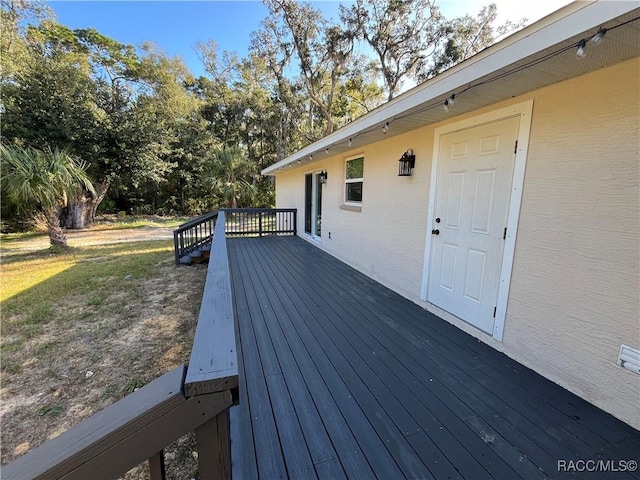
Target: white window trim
352	180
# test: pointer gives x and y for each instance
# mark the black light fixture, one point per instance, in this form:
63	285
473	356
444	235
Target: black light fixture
323	176
406	163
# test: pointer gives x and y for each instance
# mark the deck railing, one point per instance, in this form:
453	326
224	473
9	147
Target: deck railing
196	235
261	221
193	234
138	427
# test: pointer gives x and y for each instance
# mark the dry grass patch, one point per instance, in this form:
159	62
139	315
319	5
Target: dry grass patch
83	328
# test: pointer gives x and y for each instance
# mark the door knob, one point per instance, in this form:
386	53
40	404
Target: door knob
435	231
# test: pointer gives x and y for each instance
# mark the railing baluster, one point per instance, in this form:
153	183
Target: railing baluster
156	466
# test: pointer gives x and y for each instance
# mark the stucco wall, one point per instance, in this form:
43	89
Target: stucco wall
575	285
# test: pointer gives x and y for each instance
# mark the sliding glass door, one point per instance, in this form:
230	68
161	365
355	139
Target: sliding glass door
313	204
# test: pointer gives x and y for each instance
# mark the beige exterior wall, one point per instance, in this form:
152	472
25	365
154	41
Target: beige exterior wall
574	296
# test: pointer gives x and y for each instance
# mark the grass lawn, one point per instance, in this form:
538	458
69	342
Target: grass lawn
83	328
115	222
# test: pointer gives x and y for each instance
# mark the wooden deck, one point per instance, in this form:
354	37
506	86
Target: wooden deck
341	377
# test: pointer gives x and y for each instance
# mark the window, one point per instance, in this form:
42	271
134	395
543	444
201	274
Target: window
353	180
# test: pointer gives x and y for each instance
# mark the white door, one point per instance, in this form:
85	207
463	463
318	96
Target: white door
475	174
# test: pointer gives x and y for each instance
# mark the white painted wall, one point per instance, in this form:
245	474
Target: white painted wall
575	285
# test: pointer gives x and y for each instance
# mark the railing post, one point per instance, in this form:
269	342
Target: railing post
175	247
295	222
260	224
214	448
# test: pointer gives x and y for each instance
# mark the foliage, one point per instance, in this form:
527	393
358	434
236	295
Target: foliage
402	34
414	41
466	36
42	179
155	139
49	410
232	177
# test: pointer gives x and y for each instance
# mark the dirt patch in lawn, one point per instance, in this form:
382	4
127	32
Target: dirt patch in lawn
87	327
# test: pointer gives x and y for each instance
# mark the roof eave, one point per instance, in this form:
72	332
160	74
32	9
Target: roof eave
553	29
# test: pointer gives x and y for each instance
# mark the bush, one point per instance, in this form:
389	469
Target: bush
107	206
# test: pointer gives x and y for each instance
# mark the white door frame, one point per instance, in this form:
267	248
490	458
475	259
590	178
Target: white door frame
524	111
313	234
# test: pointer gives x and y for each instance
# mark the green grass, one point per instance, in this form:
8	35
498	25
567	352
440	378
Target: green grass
11	366
103	223
33	284
118	223
132	384
9	238
49	410
115	309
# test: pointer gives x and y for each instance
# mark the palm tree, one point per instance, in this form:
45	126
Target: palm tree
44	179
232	177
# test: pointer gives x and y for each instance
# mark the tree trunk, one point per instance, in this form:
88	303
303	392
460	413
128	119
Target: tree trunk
80	211
56	234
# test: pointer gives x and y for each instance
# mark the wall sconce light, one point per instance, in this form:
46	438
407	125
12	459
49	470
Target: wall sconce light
323	176
406	163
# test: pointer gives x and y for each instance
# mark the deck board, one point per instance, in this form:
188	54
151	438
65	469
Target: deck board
341	377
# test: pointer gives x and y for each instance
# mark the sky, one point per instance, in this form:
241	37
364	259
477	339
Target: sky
176	26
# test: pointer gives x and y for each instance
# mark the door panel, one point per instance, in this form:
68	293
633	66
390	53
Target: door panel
448	269
453	210
483	201
474	180
473	284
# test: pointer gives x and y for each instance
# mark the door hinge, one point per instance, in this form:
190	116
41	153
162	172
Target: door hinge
515	149
504	235
494	311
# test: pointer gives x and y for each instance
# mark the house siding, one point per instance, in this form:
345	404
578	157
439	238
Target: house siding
574	295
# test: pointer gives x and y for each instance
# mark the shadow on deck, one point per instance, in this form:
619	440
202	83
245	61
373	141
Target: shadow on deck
341	377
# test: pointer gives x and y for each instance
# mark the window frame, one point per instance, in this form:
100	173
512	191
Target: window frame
354	203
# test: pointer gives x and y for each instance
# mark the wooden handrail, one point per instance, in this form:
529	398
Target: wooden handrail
192	235
214	362
197	220
116	439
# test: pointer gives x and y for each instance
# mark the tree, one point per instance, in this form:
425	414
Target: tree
42	178
465	36
299	34
232	178
14	16
115	110
403	35
413	41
